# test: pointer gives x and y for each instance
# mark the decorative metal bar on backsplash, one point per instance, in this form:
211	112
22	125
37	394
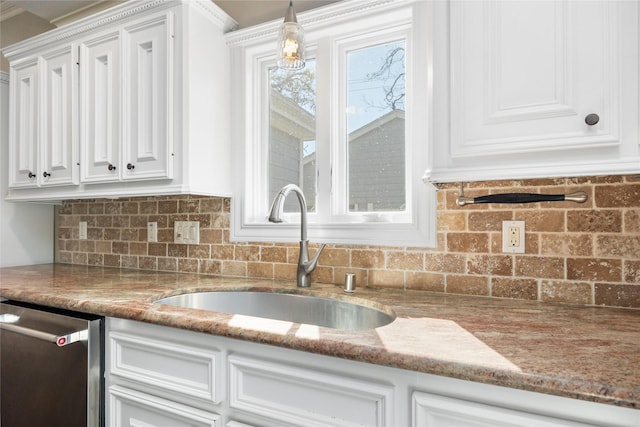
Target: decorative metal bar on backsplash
578	197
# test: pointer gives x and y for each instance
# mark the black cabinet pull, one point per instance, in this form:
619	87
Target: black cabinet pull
130	166
46	174
32	175
111	167
592	119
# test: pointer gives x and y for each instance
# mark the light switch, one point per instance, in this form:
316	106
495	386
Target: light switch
82	232
152	231
186	232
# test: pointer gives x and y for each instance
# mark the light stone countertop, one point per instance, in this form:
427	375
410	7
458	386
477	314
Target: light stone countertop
587	353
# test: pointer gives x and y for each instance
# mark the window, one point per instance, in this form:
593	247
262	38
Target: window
350	129
375	113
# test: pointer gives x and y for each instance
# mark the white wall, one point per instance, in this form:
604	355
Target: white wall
26	229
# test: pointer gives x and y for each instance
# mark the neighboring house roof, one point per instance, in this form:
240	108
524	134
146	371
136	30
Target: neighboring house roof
295	120
373	125
290	117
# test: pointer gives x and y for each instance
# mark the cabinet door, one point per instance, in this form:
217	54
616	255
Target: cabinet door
59	135
101	108
131	408
544	82
147	106
432	410
23	124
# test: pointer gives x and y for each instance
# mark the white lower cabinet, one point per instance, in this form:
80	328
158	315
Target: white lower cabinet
432	410
162	376
131	408
183	372
307	395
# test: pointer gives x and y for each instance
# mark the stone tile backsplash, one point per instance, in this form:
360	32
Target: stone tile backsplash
587	254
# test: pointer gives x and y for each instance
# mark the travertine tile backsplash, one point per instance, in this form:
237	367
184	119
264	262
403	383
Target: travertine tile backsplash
586	254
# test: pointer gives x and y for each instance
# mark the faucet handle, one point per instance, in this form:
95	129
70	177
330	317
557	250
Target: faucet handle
311	265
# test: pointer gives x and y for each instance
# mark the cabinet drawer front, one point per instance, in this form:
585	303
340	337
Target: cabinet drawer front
432	410
307	397
131	408
179	369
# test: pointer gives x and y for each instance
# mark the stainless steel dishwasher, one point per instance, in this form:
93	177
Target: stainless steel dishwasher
51	368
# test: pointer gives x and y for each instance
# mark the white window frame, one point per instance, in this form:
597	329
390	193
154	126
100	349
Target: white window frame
330	32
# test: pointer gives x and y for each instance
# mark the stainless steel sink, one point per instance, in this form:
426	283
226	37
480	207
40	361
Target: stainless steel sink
311	310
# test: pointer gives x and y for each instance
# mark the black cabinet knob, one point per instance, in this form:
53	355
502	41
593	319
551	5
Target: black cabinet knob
111	167
130	166
32	175
46	174
592	119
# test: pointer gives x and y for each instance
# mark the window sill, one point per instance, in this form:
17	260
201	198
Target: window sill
420	233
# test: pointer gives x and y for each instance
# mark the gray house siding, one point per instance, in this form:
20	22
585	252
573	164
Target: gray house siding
377	165
289	127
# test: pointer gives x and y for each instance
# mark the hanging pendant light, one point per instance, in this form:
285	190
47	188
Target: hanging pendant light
291	42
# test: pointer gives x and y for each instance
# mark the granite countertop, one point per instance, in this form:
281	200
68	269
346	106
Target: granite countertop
587	353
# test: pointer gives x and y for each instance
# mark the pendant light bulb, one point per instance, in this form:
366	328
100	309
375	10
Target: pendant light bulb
291	54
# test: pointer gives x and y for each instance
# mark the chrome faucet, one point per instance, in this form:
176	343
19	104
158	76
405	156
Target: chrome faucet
305	266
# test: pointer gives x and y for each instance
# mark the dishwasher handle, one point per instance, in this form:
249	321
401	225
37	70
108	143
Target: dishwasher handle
59	340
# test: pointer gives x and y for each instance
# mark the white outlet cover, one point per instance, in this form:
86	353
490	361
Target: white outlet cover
506	248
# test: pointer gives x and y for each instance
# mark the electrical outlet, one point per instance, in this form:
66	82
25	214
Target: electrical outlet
186	232
152	231
82	230
513	237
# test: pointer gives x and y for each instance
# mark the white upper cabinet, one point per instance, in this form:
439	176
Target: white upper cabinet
148	65
43	133
131	101
23	111
540	88
100	119
59	152
126	98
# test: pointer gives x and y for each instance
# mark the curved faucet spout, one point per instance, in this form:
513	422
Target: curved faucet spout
305	265
277	207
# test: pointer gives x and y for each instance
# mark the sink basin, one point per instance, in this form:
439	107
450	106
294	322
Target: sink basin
311	310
